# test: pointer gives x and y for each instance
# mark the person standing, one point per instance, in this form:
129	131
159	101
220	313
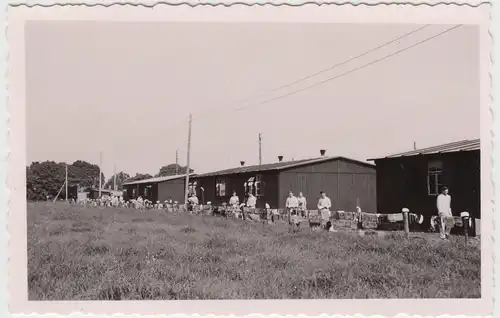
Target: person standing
324	205
234	203
292	205
192	203
302	204
251	204
445	215
251	201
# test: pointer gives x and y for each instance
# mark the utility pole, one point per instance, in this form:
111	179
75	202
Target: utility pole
100	164
176	162
57	196
188	160
114	178
260	149
66	183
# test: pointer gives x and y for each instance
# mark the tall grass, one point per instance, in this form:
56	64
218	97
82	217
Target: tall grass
112	254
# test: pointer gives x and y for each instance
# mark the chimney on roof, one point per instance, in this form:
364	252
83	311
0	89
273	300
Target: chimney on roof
280	158
242	163
414	145
322	152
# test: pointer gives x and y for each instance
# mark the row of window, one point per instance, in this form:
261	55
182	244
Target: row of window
146	192
435	180
253	185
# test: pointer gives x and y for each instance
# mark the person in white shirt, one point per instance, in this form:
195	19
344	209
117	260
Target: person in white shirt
192	203
447	222
324	205
292	205
251	204
302	204
139	203
324	202
193	199
234	201
291	201
251	201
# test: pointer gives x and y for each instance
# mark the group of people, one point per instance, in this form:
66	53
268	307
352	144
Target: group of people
251	201
120	202
297	207
104	201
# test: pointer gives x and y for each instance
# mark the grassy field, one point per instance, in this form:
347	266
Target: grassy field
94	254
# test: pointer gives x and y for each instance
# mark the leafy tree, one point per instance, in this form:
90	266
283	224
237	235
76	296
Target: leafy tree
85	174
172	169
44	179
139	176
120	179
47	178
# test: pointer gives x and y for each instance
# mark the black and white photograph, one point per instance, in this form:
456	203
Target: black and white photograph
225	160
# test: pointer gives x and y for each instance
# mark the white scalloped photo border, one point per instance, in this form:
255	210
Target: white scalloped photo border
81	309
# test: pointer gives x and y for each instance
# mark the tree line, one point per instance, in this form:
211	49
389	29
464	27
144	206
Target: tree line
45	179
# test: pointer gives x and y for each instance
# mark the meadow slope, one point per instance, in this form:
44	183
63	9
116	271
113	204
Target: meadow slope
93	254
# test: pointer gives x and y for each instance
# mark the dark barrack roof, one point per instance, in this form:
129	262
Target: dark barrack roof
279	166
158	179
464	145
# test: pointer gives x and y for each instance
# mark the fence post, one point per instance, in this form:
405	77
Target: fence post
359	216
406	221
465	223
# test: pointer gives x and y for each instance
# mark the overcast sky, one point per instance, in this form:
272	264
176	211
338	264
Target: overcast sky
127	89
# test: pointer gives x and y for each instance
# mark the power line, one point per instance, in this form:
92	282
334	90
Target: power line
348	72
341	63
245	100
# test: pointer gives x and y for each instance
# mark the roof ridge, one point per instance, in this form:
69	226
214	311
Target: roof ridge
266	164
277	166
455	143
154	179
462	145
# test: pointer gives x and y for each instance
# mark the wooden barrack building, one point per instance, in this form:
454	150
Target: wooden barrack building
346	182
413	179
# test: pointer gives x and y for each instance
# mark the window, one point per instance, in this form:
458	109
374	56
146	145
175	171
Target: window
220	187
434	177
134	193
147	192
255	186
192	188
249	186
259	186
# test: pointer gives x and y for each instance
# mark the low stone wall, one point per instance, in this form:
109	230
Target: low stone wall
339	219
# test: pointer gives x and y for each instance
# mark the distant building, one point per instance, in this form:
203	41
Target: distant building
82	196
73	192
412	179
157	189
93	193
346	181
